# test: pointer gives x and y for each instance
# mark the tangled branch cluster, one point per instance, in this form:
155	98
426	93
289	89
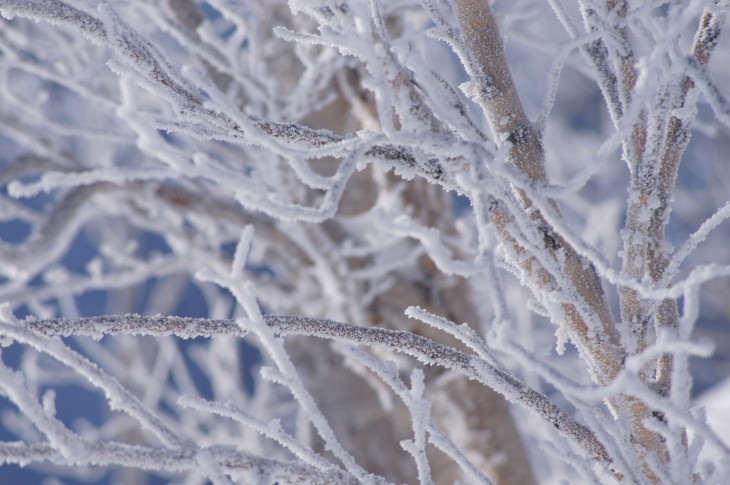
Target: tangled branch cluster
373	174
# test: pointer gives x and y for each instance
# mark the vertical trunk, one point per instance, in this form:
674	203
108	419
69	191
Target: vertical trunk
597	339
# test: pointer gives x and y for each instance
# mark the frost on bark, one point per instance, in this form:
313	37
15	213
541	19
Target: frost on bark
424	241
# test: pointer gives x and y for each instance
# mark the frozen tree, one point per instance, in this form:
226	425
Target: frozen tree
423	241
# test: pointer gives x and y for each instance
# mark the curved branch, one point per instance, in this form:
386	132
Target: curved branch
155	73
424	350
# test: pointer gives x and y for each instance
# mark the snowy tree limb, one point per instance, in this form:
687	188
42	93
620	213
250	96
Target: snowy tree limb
423	349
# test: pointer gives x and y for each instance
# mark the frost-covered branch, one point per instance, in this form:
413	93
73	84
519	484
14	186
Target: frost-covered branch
423	349
240	465
447	174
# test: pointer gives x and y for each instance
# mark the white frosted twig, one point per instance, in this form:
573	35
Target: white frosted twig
75	285
430	240
50	181
151	70
236	462
695	239
720	106
271	429
697	276
312	39
119	398
52	238
423	349
242	249
462	332
554	75
628	382
293	212
293	382
288	374
437	437
12	385
420	410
